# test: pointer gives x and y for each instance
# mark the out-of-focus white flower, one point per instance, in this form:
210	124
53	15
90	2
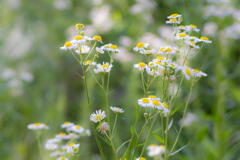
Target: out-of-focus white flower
189	72
167	50
62	136
71	147
103	68
188	119
191	27
37	126
116	109
26	76
125	41
62	4
155	150
67	46
173	21
62	158
111	48
141	158
73	136
67	125
57	153
76	128
89	63
205	40
144	102
51	146
97	116
140	66
88	132
210	29
181	36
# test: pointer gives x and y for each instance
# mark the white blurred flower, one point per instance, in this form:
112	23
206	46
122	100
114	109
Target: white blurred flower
116	109
37	126
76	128
67	125
189	119
62	4
155	150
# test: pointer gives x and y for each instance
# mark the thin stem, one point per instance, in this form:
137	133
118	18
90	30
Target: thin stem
39	146
114	125
112	145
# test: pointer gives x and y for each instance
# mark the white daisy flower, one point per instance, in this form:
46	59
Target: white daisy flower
53	140
97	116
37	126
73	136
167	51
67	46
198	73
62	136
140	66
144	102
100	49
116	109
77	129
155	150
111	48
89	62
154	71
191	27
97	38
174	15
156	104
180	36
67	125
165	109
173	21
51	146
62	158
205	40
71	147
103	68
79	40
103	127
83	49
88	132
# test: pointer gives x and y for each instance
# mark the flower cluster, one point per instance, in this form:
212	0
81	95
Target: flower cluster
37	126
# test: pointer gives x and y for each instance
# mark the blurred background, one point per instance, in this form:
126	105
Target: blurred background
39	82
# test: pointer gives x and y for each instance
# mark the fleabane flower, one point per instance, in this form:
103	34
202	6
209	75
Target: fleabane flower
155	150
103	68
140	66
141	158
79	26
165	109
181	36
67	46
97	116
79	40
83	49
57	153
205	40
51	146
111	48
67	125
191	27
144	102
167	50
103	128
141	47
89	63
116	109
62	158
198	73
173	21
77	129
174	15
62	136
37	126
73	136
189	72
71	147
97	38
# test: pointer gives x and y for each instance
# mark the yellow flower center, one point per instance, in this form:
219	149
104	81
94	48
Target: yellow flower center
156	102
172	20
145	100
78	37
37	124
174	15
160	58
140	45
188	71
159	63
66	123
68	44
78	127
193	26
168	50
161	49
182	34
71	144
204	38
165	105
196	70
62	134
98	117
98	38
105	66
141	64
152	96
150	63
79	26
88	62
62	158
114	46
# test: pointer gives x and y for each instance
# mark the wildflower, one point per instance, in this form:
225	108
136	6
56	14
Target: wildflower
167	51
79	40
67	125
165	108
191	27
84	49
117	109
140	66
62	136
103	68
79	26
111	48
193	45
51	146
140	45
154	71
67	46
62	158
173	21
155	150
100	49
181	36
205	40
37	126
156	104
153	97
174	15
103	127
73	136
97	38
198	73
77	129
89	63
97	116
87	131
141	158
71	147
53	140
144	102
187	72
